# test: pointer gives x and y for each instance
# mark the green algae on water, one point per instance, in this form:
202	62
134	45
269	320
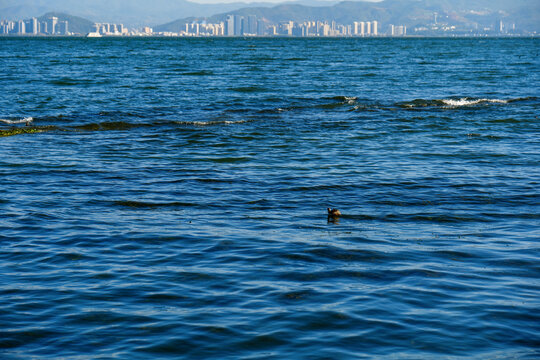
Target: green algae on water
18	131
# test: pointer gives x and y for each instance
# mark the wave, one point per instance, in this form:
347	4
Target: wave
457	102
124	125
197	73
25	120
326	103
248	89
354	103
152	205
107	125
211	122
471	101
344	99
339	101
119	121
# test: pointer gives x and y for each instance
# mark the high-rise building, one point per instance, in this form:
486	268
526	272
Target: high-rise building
52	22
326	30
238	31
28	26
375	24
116	29
362	28
368	28
400	30
229	25
244	26
63	28
286	28
319	28
261	27
31	26
35	26
251	25
296	30
21	27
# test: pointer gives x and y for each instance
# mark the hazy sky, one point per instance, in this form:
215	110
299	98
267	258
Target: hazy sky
306	2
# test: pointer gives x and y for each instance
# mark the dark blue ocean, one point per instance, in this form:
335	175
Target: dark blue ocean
166	198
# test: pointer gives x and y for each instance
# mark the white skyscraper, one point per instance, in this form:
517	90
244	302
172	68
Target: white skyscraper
35	26
375	24
362	28
368	28
52	22
21	27
230	25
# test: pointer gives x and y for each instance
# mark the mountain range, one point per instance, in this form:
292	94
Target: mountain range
128	12
174	14
472	13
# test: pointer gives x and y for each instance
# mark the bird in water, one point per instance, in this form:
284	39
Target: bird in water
333	212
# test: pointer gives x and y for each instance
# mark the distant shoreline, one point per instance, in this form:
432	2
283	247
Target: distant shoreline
77	36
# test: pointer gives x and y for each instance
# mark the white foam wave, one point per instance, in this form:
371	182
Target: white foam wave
209	123
18	121
469	102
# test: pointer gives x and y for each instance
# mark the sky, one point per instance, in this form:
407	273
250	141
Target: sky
305	2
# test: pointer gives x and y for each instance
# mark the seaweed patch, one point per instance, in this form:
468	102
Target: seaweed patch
22	130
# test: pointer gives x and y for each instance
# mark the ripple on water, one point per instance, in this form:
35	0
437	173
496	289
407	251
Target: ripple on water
144	218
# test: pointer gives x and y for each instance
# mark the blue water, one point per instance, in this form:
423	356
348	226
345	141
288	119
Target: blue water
169	200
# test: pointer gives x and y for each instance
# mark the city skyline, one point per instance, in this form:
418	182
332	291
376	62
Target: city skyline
51	26
234	25
165	16
249	25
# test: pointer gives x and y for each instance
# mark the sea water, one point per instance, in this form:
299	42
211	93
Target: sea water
170	200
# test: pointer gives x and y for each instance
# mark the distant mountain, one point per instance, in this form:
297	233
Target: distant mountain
76	25
127	12
525	13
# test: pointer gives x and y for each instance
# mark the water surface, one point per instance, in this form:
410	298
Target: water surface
172	201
